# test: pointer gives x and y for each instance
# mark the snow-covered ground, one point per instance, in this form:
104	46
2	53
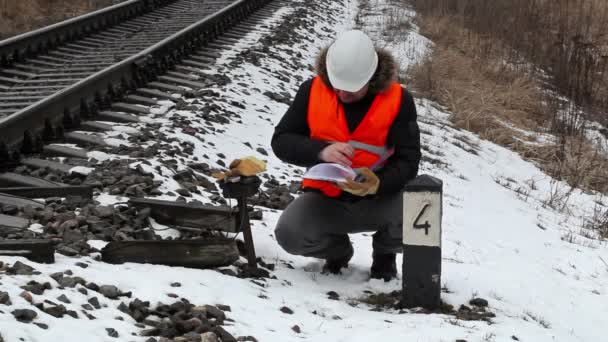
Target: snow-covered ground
502	241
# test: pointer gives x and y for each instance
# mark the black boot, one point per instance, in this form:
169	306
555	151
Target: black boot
384	266
334	266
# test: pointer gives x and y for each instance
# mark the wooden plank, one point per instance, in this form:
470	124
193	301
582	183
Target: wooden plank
19	202
155	93
36	250
43	164
59	150
184	253
84	139
165	86
190	214
180	81
10	223
44	192
117	117
15	179
130	108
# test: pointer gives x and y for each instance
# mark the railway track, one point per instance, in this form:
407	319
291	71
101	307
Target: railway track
62	85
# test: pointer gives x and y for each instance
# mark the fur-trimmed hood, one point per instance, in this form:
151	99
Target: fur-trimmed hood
385	72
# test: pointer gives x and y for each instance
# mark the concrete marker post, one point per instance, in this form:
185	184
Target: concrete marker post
422	211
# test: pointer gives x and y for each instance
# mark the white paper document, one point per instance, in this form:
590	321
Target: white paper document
330	172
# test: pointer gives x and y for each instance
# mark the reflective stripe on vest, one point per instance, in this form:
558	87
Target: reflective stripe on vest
327	121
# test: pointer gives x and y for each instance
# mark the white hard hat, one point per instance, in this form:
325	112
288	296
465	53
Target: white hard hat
351	61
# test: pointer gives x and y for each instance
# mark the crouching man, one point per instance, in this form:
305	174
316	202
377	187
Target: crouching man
353	112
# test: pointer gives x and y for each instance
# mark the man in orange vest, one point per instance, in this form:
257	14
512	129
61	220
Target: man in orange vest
353	113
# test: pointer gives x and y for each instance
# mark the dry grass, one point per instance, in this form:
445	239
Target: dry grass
467	73
19	16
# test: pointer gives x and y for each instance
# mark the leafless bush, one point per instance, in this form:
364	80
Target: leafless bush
565	38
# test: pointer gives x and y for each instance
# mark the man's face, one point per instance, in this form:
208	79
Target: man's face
350	97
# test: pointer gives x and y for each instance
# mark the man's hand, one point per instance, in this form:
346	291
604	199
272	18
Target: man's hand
368	186
339	152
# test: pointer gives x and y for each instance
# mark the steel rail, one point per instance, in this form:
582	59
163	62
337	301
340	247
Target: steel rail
28	44
83	99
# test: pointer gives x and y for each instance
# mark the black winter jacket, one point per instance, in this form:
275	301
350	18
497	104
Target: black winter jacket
291	140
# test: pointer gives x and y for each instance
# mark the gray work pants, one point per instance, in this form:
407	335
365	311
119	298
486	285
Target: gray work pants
318	226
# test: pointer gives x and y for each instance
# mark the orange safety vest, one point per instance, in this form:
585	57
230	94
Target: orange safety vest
327	122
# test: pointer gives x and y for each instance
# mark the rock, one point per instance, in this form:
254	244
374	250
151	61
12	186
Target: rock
20	268
176	284
223	334
296	328
183	192
286	310
57	276
262	151
188	325
95	302
193	337
5	298
209	337
67	250
64	299
93	287
82	264
333	295
214	312
479	302
112	332
41	325
109	291
87	307
71	281
69	224
72	313
27	296
24	315
247	338
103	211
56	311
223	307
35	287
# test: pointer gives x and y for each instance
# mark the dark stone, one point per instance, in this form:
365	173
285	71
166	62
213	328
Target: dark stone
5	298
333	295
92	287
41	325
223	334
82	264
183	192
112	332
296	328
188	325
479	302
95	302
57	276
24	315
87	307
286	310
214	312
150	332
223	307
72	313
20	268
71	281
262	151
56	311
34	287
109	291
64	299
176	284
